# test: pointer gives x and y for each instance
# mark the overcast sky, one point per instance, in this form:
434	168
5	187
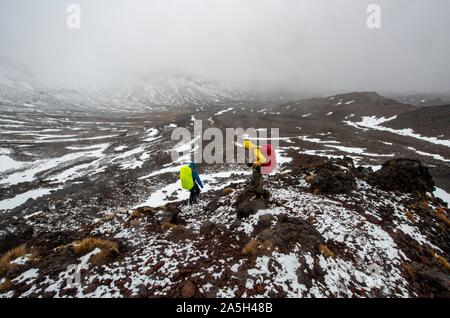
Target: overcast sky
304	45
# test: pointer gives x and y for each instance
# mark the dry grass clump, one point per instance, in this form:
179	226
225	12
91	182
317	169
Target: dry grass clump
136	214
441	215
310	178
108	249
143	211
409	270
107	218
325	250
167	226
441	260
146	210
135	223
6	286
11	255
423	204
227	191
255	246
410	216
88	244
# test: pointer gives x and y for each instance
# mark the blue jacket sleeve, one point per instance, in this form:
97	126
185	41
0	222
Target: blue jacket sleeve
197	179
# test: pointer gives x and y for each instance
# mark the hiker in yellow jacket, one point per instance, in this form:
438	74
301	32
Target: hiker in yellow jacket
258	160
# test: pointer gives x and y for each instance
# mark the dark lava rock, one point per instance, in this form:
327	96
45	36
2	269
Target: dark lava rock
14	239
437	282
179	232
250	207
291	230
331	179
265	220
303	161
251	199
143	291
171	213
206	227
362	173
404	175
346	162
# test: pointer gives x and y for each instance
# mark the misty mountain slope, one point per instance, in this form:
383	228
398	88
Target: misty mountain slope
423	100
156	93
432	120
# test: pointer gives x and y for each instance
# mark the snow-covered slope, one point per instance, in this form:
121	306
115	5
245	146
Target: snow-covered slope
153	93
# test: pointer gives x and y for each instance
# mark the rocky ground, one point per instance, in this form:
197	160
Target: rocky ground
320	232
99	190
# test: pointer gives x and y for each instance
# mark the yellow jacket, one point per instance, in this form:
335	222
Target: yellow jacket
259	158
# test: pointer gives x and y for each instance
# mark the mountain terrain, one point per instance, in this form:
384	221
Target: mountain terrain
357	207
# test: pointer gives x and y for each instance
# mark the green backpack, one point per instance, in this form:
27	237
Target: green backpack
187	182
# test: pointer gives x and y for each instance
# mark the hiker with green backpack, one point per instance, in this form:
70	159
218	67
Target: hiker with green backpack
190	180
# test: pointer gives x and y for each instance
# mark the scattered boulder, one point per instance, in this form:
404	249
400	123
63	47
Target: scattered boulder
331	179
179	233
251	199
345	162
249	207
206	227
291	230
432	280
171	212
303	161
143	291
13	239
188	290
404	175
362	173
265	221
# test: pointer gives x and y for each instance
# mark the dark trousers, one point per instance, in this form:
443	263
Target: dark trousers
256	176
195	192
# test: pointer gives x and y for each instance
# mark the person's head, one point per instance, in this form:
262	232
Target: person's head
192	165
248	144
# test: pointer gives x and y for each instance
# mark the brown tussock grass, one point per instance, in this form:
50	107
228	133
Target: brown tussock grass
325	250
167	226
108	249
6	286
441	215
146	210
441	260
423	204
5	260
410	216
136	214
310	178
107	218
253	247
227	191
